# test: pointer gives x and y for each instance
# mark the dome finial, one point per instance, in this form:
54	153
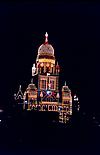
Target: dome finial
65	83
32	81
46	37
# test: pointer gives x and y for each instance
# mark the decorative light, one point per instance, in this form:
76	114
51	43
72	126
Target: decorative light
46	37
76	99
41	64
58	95
25	102
48	74
47	65
74	96
47	60
41	94
48	92
59	109
33	70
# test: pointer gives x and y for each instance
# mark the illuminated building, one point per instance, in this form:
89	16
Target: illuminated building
66	105
46	95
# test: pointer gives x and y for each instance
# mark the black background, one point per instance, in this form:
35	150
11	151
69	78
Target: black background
74	32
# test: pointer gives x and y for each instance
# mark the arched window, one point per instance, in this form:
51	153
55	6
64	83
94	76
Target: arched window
43	84
52	84
43	107
50	107
53	108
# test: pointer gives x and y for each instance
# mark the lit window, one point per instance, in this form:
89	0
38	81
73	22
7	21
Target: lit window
43	84
52	84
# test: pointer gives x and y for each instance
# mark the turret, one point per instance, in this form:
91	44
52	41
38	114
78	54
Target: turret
30	96
19	98
57	68
66	110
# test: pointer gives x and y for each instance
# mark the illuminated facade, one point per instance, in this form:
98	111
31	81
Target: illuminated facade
46	96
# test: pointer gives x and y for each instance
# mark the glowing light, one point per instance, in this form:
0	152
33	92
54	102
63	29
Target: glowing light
74	96
46	37
33	70
1	110
76	99
51	65
48	74
41	94
25	102
47	65
59	109
41	64
48	92
58	96
47	60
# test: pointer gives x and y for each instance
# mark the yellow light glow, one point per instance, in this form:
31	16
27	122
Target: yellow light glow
51	103
47	60
34	96
66	98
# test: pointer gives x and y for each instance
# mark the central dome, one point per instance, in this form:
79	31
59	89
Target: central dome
46	50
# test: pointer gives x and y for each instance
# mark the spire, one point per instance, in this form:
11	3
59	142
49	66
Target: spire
46	38
32	81
65	83
19	87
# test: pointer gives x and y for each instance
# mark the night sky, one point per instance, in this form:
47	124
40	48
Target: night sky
74	32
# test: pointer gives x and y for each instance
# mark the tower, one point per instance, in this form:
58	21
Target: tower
30	97
19	98
48	76
66	105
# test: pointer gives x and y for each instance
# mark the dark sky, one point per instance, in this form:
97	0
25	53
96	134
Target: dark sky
74	32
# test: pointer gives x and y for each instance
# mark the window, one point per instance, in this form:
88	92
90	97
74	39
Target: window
66	102
43	107
53	107
52	84
50	107
43	84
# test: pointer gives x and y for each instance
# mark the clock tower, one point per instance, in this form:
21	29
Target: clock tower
48	76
